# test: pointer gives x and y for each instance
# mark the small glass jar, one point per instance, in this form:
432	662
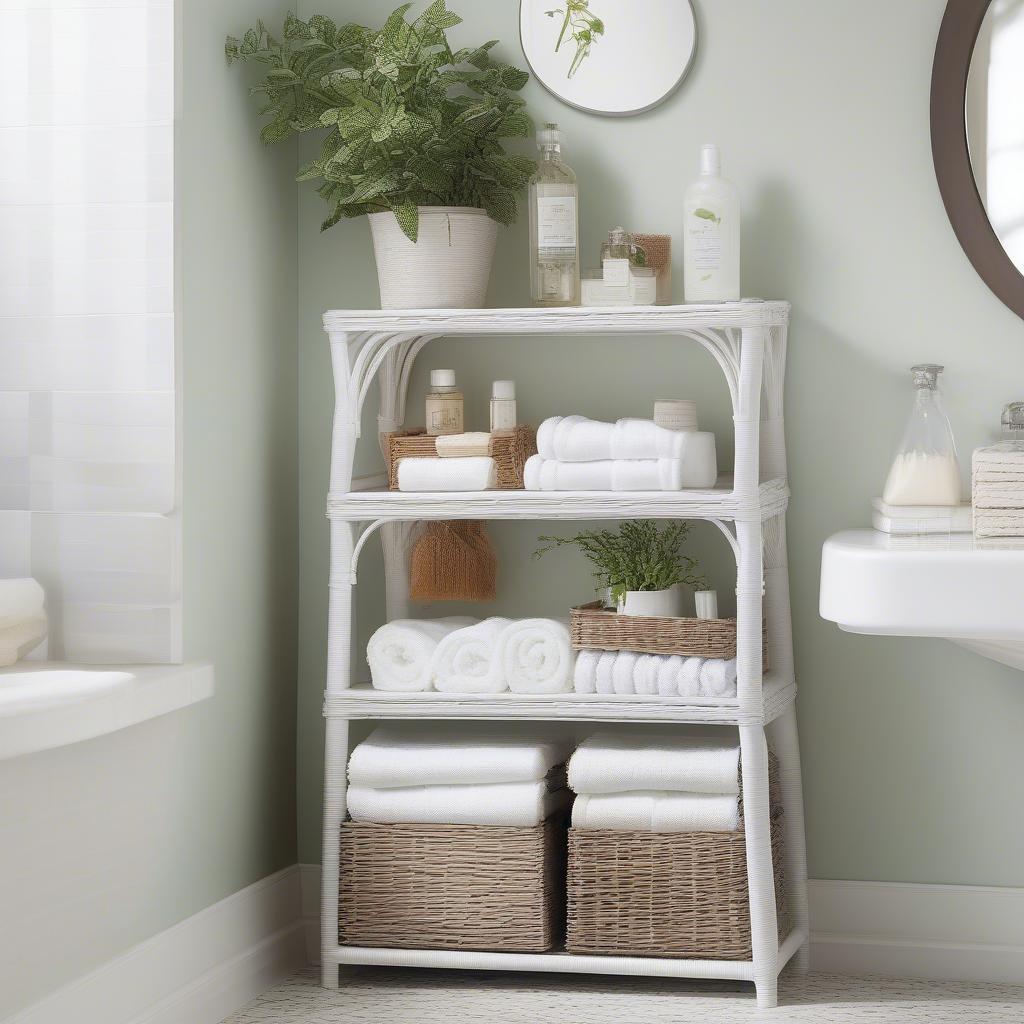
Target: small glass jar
445	405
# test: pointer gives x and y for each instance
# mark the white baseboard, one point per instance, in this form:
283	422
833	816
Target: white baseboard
891	929
197	972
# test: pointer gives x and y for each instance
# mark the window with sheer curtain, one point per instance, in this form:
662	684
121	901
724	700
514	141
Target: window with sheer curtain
88	480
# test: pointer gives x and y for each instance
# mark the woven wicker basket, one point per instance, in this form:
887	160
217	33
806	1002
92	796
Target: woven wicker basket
509	448
667	894
483	887
591	626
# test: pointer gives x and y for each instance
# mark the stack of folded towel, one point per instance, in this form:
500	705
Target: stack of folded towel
997	484
655	783
663	675
493	777
460	655
22	619
464	465
579	454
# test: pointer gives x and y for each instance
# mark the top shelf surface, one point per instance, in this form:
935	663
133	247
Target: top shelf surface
564	320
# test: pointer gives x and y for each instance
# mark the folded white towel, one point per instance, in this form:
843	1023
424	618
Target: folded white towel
21	600
584	673
668	675
461	446
392	757
514	803
466	660
541	474
657	812
610	762
400	653
427	474
622	672
629	672
603	681
536	656
718	678
645	675
21	639
579	439
688	677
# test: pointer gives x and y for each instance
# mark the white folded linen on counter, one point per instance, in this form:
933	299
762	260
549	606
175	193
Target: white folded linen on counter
619	762
540	474
467	660
21	600
645	811
21	639
718	677
428	474
513	803
400	653
667	675
536	656
920	519
579	439
392	757
461	446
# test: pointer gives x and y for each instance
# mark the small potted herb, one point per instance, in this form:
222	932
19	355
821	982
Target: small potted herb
641	564
411	133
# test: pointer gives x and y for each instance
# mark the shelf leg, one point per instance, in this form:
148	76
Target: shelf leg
787	748
335	762
760	876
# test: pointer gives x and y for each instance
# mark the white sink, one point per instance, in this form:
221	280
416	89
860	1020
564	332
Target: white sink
949	586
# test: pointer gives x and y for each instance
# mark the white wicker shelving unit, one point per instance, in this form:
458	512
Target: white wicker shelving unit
748	341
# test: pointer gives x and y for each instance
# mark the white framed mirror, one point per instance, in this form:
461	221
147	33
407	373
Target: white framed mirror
612	57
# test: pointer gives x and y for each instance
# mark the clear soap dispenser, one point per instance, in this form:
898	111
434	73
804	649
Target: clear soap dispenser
554	225
925	470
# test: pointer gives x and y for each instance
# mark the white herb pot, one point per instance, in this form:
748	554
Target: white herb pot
449	265
650	602
707	604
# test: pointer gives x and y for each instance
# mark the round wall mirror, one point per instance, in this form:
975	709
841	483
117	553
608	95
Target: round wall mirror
977	125
609	56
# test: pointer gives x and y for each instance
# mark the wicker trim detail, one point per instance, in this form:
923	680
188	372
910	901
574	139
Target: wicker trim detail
509	448
592	627
668	894
481	887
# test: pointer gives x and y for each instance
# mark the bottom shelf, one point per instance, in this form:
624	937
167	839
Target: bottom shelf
559	962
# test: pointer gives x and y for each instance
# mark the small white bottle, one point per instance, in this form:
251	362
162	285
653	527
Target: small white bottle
503	405
711	234
444	404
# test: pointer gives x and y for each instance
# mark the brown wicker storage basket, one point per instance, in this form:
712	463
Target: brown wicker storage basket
592	626
509	448
483	887
667	894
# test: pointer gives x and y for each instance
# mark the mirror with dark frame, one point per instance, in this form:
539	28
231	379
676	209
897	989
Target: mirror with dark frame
977	127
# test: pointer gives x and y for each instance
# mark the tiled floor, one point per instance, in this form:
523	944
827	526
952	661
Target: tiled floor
393	996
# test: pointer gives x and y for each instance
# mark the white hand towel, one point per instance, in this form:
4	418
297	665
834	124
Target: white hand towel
668	675
657	812
514	803
466	660
21	600
610	762
622	673
626	475
427	474
579	439
536	656
461	446
400	652
688	677
392	757
718	678
645	675
21	639
603	682
584	673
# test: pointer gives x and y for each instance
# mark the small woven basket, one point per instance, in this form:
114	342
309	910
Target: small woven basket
483	887
668	894
591	626
509	448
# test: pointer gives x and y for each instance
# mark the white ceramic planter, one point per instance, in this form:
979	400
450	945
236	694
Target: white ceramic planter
650	602
449	265
707	604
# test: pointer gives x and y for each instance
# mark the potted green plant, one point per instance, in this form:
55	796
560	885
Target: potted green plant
641	564
411	133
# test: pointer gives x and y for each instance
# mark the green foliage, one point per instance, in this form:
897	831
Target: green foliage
640	555
406	121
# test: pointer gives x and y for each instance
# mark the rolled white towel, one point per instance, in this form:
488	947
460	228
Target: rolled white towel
584	673
646	811
466	660
622	673
21	600
515	803
668	675
688	677
400	653
427	474
21	639
460	446
603	681
536	656
718	678
645	675
392	757
618	762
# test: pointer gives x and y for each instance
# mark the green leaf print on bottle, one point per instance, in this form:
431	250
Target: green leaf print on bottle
706	214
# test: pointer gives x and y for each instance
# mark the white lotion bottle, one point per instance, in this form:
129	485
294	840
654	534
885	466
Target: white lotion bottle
711	234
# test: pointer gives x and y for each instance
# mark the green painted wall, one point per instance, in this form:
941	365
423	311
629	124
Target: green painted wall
911	748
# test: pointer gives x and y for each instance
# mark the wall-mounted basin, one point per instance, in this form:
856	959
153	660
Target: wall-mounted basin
949	586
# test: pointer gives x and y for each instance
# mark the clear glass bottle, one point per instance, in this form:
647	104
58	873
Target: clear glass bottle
925	470
445	405
711	234
554	226
1013	422
615	254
